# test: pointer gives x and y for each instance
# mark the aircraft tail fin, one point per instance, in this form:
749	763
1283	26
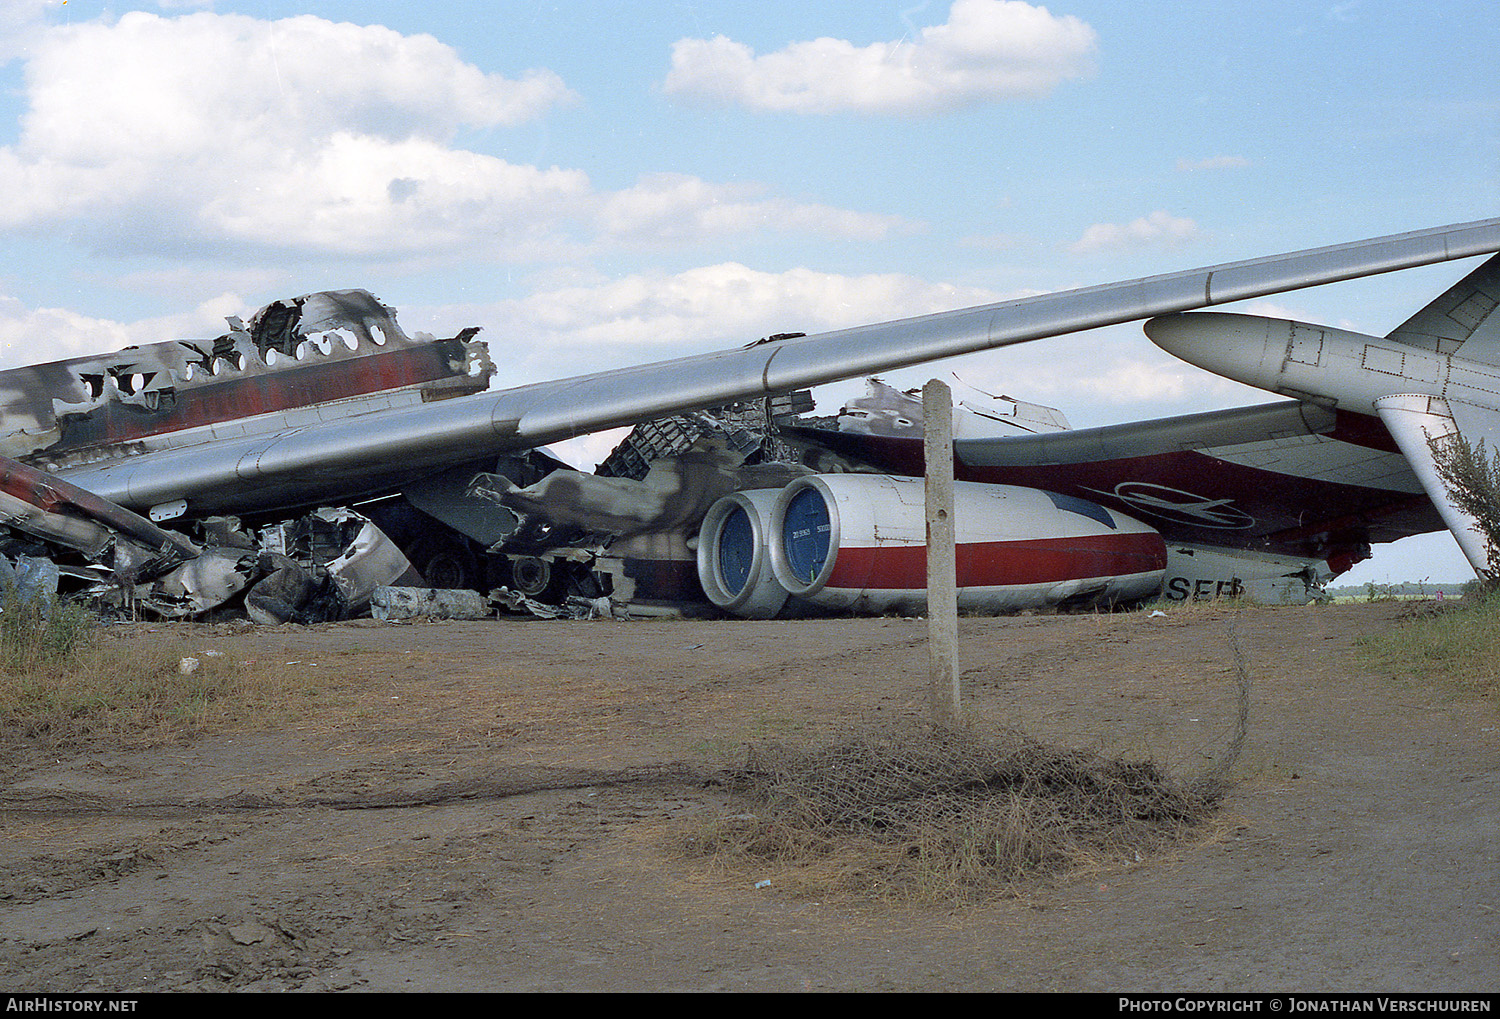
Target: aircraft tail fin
1463	320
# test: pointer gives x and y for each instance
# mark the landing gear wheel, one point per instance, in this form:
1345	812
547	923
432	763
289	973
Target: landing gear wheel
445	563
536	578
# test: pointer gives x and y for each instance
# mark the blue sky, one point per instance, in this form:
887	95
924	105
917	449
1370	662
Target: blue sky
602	184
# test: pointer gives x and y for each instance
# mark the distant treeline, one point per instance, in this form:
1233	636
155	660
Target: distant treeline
1409	589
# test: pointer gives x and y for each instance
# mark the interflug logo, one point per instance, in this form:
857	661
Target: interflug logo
1180	507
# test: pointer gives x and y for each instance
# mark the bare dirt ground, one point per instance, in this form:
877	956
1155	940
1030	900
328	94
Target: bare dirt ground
485	814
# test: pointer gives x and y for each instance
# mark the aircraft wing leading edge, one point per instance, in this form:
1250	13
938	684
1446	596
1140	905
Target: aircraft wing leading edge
352	456
572	407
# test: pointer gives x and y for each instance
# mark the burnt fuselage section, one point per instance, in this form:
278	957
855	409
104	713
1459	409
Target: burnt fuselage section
298	362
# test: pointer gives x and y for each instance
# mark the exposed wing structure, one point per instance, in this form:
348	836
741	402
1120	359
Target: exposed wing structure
348	456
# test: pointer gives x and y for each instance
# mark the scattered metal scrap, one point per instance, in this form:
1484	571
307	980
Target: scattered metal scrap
322	566
294	354
541	537
397	603
572	607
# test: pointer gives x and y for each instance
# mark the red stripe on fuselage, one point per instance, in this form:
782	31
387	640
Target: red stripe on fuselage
1001	563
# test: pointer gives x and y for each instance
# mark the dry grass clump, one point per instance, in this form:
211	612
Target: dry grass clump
66	679
933	814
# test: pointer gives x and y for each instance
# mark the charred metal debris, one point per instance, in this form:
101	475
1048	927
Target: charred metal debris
294	359
521	532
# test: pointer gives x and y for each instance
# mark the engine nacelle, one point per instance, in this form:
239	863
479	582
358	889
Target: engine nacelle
734	560
857	542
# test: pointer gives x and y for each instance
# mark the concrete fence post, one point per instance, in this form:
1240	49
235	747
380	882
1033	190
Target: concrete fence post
942	573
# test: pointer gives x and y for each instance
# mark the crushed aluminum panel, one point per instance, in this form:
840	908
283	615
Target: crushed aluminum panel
885	410
324	565
290	593
226	532
572	607
445	496
1014	415
371	560
204	583
81	535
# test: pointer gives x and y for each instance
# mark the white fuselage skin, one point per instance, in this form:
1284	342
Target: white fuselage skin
1319	363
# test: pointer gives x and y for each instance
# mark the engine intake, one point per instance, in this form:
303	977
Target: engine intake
734	563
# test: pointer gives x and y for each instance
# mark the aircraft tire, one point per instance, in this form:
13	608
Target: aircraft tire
445	563
538	578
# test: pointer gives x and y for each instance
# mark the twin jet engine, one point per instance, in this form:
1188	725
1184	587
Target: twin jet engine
857	543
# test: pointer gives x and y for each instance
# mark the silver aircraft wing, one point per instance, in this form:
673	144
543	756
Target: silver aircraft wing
346	458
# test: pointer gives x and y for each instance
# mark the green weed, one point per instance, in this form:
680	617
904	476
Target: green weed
1458	646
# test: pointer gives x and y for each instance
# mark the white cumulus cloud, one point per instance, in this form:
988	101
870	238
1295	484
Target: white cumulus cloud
225	128
988	50
599	324
38	335
20	20
209	132
1159	228
671	206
